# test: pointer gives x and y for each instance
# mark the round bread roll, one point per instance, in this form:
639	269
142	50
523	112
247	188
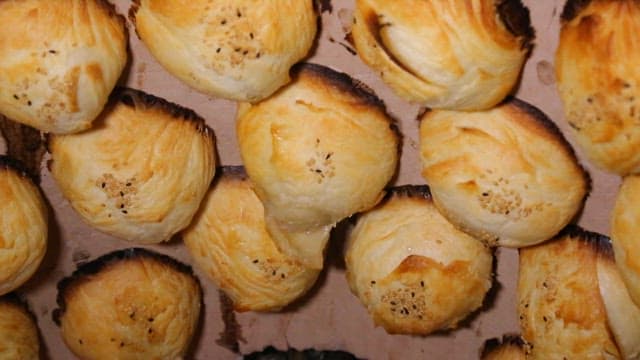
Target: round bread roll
505	175
599	82
141	172
23	226
18	331
414	271
320	150
234	49
510	347
561	311
445	54
625	233
623	315
129	304
229	241
60	60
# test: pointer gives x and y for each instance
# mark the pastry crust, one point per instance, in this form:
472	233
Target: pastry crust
560	308
445	54
320	150
129	304
414	271
228	239
141	172
60	60
505	175
18	330
598	80
625	230
23	226
623	315
510	347
234	49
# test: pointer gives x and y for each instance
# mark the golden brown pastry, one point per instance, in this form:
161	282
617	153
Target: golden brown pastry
445	54
598	80
561	311
23	226
625	233
229	241
623	315
60	60
414	271
18	330
239	50
320	150
505	175
510	347
129	304
141	172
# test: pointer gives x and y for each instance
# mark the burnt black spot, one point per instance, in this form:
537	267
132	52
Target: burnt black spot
515	16
572	8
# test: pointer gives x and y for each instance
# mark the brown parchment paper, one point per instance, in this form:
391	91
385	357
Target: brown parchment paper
330	317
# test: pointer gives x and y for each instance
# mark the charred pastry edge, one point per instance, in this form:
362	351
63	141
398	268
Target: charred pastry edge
17	301
516	18
141	100
542	119
343	82
16	166
493	344
346	84
113	13
86	271
409	191
599	243
133	11
573	8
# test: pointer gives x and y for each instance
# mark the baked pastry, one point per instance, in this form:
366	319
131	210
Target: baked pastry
560	308
445	54
623	315
141	172
131	303
598	80
505	175
625	225
229	241
239	50
23	226
60	60
320	150
510	347
414	271
18	330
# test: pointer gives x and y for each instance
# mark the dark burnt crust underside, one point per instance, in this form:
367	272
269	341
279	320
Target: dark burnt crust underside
342	82
111	11
507	340
409	191
86	271
600	243
572	9
541	118
11	164
15	300
345	84
515	16
138	99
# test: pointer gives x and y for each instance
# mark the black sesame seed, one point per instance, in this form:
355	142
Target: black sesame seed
128	184
273	273
121	344
29	102
258	56
121	206
103	185
124	212
422	283
52	52
392	302
218	50
15	96
373	282
282	276
150	330
223	22
121	193
150	319
255	261
245	52
251	35
544	318
80	341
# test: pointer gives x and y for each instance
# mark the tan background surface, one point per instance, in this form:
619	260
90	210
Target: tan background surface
330	317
